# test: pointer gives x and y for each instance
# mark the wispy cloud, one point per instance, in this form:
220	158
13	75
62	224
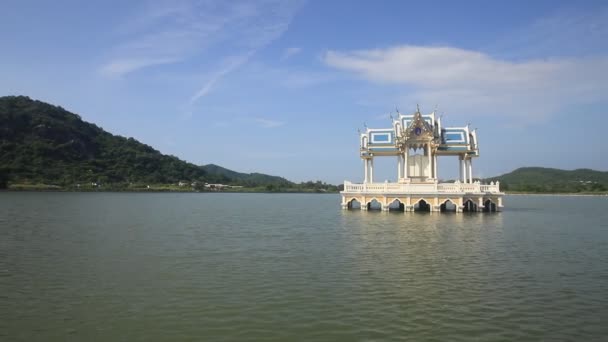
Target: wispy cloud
556	62
121	67
568	31
228	65
474	82
227	33
290	52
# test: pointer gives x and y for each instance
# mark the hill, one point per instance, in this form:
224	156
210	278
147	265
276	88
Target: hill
540	179
44	144
246	179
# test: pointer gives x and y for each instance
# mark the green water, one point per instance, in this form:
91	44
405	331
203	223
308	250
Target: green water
212	267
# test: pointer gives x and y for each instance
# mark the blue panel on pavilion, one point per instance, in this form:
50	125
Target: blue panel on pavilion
383	137
454	136
452	148
383	149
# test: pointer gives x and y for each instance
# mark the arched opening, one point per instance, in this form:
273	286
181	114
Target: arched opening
422	206
353	204
364	142
469	206
447	206
374	205
489	206
397	206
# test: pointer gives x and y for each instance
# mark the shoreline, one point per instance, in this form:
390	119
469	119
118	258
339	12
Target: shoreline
554	194
252	191
156	191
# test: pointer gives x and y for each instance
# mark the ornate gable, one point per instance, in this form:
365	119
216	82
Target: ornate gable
418	129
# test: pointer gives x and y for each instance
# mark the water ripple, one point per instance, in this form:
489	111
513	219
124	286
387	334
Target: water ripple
225	267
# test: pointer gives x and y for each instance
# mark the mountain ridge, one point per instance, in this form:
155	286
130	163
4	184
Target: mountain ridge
45	143
552	180
246	179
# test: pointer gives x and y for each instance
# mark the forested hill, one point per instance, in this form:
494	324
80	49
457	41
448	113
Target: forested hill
42	143
246	179
547	180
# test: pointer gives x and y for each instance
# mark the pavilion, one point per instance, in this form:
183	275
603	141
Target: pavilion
416	140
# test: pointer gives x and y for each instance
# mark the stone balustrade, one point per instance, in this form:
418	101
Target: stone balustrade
400	188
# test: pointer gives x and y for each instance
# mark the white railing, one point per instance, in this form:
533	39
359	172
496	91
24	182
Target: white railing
421	188
448	187
490	187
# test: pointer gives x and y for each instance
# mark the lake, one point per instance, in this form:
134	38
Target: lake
213	266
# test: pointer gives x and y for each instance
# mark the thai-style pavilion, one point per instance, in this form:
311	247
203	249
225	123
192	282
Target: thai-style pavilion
416	140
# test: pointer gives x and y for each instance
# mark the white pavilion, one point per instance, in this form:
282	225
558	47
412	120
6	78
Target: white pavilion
416	140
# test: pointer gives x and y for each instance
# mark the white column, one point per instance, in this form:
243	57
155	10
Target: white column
435	167
428	149
406	166
459	169
471	171
463	173
371	170
399	167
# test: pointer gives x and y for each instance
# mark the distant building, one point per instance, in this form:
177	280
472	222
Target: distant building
221	186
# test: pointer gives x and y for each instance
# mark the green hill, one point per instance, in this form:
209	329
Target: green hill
45	144
540	179
246	179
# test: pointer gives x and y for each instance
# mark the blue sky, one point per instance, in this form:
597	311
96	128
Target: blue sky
281	87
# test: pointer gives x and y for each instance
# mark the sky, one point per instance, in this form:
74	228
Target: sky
281	87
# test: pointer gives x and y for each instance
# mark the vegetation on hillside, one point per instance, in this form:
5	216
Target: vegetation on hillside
547	180
45	146
41	143
224	175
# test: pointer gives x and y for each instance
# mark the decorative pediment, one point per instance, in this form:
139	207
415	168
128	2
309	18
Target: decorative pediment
418	129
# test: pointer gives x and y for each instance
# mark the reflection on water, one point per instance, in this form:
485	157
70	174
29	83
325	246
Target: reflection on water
291	266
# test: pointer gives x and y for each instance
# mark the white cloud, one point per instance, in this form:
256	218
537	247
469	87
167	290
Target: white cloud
259	27
172	32
119	68
290	52
477	83
229	64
